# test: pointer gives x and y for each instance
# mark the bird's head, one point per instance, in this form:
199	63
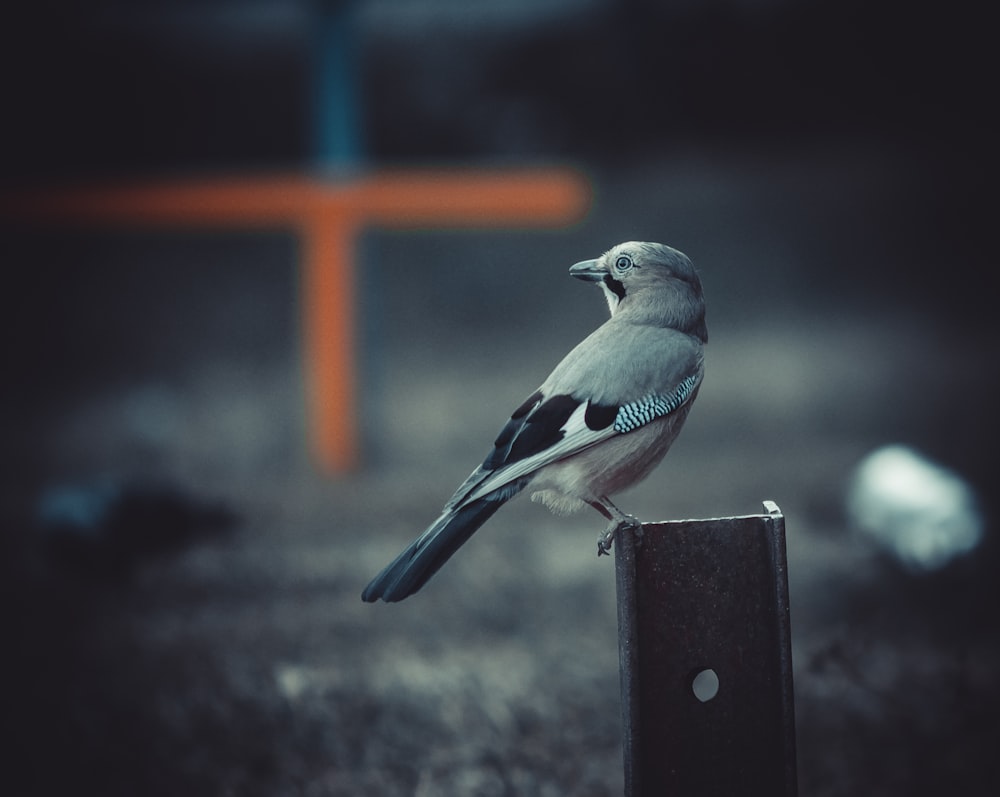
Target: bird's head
650	283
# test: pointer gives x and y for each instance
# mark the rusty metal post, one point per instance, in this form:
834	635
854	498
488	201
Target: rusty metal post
706	663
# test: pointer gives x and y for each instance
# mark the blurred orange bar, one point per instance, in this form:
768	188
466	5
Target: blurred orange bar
327	213
394	199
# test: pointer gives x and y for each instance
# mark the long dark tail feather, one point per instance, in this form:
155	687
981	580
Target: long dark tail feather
414	567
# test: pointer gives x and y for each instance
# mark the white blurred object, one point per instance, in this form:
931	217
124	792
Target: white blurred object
921	513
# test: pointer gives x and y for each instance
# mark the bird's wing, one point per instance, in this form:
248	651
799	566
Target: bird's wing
545	429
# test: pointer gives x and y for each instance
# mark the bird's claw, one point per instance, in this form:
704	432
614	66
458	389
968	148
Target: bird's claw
607	538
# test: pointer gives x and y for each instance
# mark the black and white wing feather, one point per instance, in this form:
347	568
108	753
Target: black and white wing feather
545	430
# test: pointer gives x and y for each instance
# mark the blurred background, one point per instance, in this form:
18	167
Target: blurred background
180	580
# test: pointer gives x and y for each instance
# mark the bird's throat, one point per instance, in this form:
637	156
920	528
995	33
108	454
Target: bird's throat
614	292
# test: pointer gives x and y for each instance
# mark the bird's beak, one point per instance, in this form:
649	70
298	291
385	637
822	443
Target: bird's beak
588	270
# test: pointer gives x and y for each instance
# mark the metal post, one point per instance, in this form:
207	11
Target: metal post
706	665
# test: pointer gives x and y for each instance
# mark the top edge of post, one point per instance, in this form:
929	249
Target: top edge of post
771	510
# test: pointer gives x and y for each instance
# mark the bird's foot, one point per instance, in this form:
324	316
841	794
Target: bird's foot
607	538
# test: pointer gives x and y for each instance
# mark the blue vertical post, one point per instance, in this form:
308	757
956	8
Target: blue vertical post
337	138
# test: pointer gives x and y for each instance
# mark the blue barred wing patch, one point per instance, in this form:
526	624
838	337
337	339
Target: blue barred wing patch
639	413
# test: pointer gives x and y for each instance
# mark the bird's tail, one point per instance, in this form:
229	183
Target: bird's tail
414	567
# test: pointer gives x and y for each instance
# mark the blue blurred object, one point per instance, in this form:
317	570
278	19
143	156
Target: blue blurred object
337	106
921	513
77	509
107	528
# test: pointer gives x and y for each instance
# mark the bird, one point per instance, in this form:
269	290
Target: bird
601	421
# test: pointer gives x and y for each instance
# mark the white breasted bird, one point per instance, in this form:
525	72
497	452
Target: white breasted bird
600	423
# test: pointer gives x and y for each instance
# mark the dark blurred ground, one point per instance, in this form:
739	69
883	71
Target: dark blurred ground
850	305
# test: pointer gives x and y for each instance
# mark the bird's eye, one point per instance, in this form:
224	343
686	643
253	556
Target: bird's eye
623	263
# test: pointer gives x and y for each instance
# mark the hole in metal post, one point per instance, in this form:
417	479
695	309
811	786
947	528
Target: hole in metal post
705	684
